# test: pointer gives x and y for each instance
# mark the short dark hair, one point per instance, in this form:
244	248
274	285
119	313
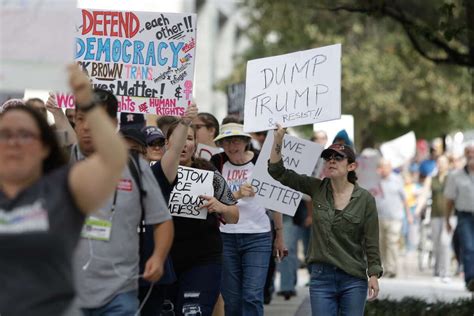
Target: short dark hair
164	122
56	157
31	100
108	101
232	119
173	126
210	121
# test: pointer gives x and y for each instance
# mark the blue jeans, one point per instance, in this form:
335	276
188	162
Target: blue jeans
466	239
333	292
289	265
245	264
124	304
196	290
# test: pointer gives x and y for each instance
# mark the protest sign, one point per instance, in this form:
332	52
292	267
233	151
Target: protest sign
206	152
185	200
293	89
299	155
36	44
145	59
367	176
399	150
236	99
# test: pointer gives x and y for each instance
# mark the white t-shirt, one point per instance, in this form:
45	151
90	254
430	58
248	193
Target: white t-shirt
252	217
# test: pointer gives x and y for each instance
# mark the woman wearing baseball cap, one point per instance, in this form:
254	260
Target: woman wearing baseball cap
344	247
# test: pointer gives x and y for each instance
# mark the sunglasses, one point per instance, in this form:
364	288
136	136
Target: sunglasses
157	143
335	157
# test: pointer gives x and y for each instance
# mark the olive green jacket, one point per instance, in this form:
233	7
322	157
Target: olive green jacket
348	240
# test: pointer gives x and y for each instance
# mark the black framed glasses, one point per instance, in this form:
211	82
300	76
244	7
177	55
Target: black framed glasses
160	142
199	126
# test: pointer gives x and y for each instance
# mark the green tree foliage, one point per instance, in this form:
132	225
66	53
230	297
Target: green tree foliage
387	84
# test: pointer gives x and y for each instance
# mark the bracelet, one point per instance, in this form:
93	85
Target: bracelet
278	228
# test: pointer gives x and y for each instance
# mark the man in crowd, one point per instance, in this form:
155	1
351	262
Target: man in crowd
391	204
107	257
459	191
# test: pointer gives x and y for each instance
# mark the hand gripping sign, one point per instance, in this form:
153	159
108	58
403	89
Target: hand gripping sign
191	184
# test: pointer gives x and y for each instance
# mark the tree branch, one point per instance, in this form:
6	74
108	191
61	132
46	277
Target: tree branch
453	56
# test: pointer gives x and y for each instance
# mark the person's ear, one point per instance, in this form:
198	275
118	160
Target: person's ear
352	166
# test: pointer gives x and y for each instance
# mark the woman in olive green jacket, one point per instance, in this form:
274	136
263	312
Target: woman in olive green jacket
344	244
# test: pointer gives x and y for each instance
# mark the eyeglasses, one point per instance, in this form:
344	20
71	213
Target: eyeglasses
23	137
233	140
335	157
157	143
199	126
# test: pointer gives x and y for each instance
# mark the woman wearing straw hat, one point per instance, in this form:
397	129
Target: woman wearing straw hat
247	244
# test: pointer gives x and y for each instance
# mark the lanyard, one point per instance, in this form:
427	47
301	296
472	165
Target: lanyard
114	202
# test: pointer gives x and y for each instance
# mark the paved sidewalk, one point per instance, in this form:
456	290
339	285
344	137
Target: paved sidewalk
410	283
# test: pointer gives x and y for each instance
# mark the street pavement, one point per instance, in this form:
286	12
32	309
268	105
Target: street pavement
409	283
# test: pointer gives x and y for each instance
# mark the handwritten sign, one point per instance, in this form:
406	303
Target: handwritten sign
36	44
299	155
206	152
184	199
400	150
293	89
145	59
236	99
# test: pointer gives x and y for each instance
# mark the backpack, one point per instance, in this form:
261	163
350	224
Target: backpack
169	275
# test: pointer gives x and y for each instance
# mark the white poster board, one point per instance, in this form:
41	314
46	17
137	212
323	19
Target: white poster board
36	44
146	59
400	150
206	152
335	126
299	155
367	176
185	200
293	89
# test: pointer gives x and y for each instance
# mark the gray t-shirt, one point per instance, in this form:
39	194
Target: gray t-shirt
104	269
460	188
39	230
390	203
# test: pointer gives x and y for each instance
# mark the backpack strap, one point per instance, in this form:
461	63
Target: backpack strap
135	170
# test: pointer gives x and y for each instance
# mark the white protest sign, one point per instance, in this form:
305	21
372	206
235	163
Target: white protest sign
146	59
367	176
293	89
184	199
400	150
36	44
299	155
335	126
206	152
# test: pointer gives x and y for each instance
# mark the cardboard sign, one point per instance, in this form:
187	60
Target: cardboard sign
299	155
293	89
206	152
400	150
236	99
184	199
36	44
145	59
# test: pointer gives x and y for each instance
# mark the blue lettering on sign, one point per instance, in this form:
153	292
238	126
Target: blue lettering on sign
127	51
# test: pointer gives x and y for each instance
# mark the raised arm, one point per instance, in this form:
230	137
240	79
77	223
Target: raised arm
94	179
61	122
277	171
170	160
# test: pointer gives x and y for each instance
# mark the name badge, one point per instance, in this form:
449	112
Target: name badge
97	229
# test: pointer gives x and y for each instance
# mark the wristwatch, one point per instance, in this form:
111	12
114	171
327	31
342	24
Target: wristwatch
87	107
